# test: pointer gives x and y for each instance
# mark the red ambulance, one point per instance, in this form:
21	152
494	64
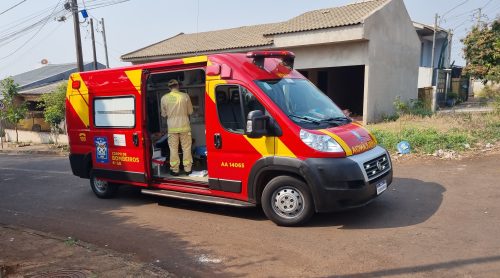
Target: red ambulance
262	135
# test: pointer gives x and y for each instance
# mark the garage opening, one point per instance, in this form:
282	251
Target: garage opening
344	85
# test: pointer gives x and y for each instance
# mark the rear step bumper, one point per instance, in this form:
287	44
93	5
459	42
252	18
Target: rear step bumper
197	197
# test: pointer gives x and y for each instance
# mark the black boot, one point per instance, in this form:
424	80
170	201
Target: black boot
175	174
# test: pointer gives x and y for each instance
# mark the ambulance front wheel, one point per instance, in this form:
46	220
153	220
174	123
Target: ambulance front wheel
102	189
287	201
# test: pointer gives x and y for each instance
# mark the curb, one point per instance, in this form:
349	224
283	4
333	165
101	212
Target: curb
38	152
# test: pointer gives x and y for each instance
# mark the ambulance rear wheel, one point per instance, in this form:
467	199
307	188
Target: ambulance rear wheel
287	201
102	189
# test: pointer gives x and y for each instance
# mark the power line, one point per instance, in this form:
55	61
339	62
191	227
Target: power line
97	6
21	20
461	23
34	35
48	35
12	7
489	2
460	4
7	38
10	29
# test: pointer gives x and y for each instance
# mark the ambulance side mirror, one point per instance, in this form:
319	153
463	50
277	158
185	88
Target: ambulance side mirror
257	124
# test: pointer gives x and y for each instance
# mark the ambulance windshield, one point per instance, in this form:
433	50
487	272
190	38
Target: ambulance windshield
303	103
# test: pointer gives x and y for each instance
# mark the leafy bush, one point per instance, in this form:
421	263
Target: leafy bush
14	110
412	107
53	104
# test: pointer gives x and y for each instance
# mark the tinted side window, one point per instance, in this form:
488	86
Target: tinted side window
233	104
250	103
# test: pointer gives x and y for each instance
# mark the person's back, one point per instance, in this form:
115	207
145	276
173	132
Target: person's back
176	107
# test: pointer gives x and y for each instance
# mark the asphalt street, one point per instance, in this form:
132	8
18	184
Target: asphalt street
439	218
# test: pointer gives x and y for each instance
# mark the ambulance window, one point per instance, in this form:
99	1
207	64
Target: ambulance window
250	103
114	112
233	104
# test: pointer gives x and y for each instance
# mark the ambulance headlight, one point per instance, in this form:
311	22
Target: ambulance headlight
322	143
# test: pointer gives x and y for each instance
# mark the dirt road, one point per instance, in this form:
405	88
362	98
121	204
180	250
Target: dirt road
440	218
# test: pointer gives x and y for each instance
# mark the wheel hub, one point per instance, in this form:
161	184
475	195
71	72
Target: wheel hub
100	185
288	202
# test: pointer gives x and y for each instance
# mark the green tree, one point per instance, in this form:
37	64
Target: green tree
482	52
14	110
54	105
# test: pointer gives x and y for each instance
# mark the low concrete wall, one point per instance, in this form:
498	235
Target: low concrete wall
34	137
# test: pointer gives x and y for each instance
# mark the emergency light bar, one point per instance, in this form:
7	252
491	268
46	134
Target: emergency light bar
287	57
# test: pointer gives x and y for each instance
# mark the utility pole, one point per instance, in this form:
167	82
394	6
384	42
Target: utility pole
479	17
105	43
434	45
450	42
434	94
93	42
78	39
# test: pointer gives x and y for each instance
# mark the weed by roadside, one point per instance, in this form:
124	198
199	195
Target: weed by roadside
412	107
70	241
491	93
456	132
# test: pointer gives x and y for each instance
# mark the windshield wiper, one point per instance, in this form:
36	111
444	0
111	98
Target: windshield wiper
305	118
337	119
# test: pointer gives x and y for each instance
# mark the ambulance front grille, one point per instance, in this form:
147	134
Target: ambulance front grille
376	167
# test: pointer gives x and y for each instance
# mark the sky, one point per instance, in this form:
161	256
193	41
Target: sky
133	24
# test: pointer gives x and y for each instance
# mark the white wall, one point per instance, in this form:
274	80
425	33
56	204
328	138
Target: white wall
34	137
331	55
394	56
424	77
323	36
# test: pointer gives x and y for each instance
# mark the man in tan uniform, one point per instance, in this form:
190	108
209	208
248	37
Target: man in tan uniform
176	107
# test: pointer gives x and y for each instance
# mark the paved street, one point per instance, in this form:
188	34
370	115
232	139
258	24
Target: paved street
440	218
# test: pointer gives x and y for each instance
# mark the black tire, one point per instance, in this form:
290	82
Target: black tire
102	189
287	201
36	128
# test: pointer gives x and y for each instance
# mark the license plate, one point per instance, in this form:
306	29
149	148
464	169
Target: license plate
381	187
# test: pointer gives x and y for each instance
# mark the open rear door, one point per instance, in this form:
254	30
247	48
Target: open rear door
117	127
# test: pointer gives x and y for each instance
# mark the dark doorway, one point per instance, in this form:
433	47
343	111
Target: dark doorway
344	85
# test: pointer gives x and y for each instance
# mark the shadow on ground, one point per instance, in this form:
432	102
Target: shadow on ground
421	269
407	202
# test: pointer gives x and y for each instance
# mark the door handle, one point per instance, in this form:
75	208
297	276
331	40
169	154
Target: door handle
218	141
135	139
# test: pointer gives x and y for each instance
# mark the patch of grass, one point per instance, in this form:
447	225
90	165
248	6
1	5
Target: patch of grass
71	241
426	135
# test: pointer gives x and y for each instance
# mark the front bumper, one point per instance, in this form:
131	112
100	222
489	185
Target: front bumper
343	183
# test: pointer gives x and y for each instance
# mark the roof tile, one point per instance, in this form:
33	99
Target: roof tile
241	37
257	35
329	18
